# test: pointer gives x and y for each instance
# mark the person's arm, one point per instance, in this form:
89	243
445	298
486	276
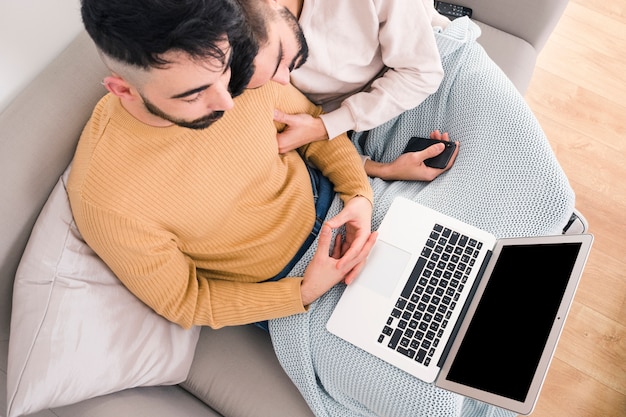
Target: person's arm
409	51
410	166
300	129
338	159
150	264
341	164
414	72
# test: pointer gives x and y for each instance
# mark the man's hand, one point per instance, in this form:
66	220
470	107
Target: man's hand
356	216
410	166
349	255
325	270
300	129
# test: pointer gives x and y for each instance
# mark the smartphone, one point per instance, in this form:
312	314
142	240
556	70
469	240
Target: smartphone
440	161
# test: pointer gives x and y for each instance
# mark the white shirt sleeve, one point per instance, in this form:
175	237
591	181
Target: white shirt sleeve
405	45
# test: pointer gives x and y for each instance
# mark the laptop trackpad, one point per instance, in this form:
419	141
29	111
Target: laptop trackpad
385	265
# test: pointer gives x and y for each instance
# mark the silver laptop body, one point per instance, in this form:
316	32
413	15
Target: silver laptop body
452	305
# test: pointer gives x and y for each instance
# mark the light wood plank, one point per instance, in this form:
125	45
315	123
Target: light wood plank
596	346
578	94
577	112
583	50
591	399
614	9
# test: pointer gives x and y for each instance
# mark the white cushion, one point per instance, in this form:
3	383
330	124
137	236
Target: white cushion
76	331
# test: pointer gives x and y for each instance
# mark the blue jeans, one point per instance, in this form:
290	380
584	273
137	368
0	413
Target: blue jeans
323	194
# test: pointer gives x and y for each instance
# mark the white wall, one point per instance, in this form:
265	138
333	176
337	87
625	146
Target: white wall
32	33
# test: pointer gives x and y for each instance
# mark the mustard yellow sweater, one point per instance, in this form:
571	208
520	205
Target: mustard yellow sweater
191	221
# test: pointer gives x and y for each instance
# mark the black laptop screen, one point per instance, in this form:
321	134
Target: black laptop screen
506	337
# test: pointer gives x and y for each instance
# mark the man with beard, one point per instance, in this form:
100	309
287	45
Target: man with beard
368	63
179	187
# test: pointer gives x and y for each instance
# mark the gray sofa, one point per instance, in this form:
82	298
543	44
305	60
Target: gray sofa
242	377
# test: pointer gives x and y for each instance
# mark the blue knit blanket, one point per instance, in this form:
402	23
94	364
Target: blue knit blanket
506	180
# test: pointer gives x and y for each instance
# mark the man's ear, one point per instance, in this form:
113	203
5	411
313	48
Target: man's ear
119	87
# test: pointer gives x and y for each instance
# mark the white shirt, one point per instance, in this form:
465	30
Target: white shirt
352	43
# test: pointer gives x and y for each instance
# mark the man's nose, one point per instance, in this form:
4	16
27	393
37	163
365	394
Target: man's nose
282	75
221	100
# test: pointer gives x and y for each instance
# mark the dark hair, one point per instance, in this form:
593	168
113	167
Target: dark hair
258	14
244	49
139	32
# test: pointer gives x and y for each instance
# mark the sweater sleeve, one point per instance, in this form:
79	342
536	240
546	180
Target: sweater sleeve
148	261
414	70
342	165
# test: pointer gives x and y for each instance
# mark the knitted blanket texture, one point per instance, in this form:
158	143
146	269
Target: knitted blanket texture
505	180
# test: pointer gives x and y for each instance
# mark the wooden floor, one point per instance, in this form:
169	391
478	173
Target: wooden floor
578	93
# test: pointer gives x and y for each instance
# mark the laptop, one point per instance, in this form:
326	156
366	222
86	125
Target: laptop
452	305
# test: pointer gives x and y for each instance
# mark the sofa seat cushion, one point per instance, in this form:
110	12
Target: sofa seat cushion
159	401
236	372
76	331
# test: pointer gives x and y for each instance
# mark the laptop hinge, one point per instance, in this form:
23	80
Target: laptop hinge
468	300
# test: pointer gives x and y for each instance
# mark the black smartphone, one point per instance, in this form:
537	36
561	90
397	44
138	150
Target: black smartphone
440	161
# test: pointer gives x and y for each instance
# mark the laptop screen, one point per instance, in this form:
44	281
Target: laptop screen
506	337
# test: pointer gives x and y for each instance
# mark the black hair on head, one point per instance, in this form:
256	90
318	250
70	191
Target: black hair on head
139	32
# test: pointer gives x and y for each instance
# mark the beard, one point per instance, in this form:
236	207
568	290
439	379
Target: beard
303	47
197	124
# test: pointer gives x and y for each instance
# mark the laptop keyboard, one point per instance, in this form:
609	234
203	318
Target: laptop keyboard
423	310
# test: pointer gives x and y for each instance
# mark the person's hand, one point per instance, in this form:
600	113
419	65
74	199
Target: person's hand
300	129
410	166
325	269
436	134
348	255
356	217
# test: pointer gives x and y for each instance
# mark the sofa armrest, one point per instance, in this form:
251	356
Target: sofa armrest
531	20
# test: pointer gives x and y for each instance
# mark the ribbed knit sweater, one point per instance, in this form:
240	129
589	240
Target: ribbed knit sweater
191	221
